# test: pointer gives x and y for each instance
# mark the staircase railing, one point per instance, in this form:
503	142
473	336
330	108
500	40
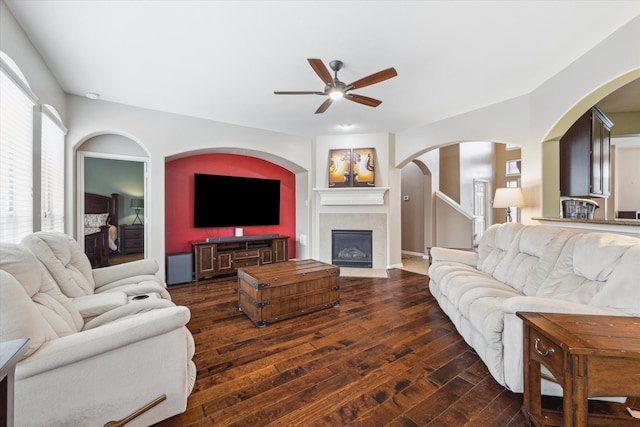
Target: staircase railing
454	227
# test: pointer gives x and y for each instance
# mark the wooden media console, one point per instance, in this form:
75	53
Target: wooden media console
224	255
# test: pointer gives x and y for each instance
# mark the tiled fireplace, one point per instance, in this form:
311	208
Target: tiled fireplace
352	248
374	223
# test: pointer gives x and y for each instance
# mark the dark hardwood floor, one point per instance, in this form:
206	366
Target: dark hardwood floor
387	356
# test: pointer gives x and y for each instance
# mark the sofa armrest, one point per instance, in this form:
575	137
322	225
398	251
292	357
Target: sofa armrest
94	305
512	335
92	377
106	275
454	255
90	343
547	305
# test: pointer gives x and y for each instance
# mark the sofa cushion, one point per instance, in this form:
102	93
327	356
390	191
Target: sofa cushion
622	290
38	284
596	255
585	265
531	257
64	259
19	316
494	245
143	284
441	269
22	265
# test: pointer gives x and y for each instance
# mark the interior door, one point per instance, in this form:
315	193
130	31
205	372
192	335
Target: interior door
125	173
480	200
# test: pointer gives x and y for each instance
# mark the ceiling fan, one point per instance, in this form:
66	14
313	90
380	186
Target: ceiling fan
335	89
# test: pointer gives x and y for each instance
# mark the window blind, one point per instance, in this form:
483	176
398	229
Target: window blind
16	160
52	171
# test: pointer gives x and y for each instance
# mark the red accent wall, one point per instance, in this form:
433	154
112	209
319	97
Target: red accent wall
179	230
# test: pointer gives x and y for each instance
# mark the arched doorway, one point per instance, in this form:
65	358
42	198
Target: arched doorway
115	164
463	176
416	208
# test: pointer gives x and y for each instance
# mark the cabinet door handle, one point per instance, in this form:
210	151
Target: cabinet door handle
549	351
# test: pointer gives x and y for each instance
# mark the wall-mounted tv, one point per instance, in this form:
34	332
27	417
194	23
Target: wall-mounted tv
232	201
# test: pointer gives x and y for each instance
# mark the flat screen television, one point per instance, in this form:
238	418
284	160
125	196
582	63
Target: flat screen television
232	201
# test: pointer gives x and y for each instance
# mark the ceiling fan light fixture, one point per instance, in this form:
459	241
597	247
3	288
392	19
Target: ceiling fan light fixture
336	93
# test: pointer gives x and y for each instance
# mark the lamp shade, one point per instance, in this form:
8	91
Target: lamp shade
508	198
137	204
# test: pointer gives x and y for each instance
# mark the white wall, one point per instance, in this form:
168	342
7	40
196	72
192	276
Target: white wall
17	45
165	135
544	114
386	175
526	120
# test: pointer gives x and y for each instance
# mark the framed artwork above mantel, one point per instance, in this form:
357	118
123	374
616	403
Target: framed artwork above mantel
352	167
340	168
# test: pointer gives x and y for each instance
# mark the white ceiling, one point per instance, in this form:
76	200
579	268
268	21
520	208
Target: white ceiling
222	60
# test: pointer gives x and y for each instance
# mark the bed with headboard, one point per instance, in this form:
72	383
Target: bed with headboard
100	227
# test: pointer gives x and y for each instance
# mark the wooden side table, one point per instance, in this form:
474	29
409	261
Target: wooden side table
590	356
132	237
10	354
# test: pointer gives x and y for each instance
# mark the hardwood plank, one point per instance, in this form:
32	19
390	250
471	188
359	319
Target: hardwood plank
387	356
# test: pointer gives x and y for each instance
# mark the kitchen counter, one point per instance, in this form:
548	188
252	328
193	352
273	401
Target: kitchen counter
618	225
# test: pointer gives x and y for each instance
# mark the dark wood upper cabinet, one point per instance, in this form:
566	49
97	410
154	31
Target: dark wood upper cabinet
585	165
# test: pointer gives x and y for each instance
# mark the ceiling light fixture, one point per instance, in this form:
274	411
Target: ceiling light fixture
92	95
336	93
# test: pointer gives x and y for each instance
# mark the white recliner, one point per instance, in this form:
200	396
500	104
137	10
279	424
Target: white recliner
79	372
94	292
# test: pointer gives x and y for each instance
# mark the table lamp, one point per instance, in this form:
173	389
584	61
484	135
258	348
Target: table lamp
508	198
137	204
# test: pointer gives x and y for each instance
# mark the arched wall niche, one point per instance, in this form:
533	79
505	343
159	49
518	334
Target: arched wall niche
280	161
180	196
299	247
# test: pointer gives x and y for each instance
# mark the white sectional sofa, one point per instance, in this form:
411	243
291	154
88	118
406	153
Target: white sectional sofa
88	368
532	268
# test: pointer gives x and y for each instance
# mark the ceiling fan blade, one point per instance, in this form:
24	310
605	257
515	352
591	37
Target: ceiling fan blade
321	70
326	104
298	93
371	102
373	78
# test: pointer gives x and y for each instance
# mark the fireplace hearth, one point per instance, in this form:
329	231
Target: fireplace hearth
352	248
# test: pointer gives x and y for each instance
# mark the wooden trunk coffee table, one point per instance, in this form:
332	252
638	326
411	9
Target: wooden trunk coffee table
589	356
274	292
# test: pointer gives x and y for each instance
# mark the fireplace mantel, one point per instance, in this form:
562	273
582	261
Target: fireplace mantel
351	196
